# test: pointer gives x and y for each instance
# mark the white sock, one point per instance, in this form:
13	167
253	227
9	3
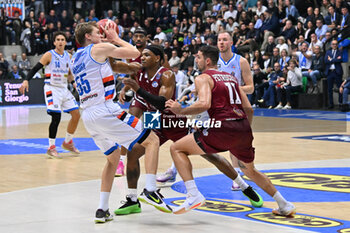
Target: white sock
280	199
242	184
122	158
151	182
191	187
104	199
132	193
173	167
52	141
68	137
238	170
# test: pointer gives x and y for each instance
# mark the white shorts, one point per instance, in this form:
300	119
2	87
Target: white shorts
111	127
58	99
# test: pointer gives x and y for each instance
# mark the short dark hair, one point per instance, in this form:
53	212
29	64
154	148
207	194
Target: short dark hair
59	33
210	52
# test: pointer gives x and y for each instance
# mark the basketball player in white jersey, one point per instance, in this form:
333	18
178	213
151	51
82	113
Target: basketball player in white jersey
237	66
57	95
110	126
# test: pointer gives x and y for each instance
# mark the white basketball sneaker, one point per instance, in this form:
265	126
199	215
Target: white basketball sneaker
190	203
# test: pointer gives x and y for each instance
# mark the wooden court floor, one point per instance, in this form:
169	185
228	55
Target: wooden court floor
273	140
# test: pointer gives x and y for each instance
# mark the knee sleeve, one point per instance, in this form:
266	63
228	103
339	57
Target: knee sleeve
55	121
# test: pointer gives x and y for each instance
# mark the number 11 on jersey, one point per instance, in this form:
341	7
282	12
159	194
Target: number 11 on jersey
231	88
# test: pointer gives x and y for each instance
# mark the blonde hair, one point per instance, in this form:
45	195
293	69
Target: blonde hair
82	29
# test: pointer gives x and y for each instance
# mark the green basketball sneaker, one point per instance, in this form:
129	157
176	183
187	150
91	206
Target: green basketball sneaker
254	197
129	207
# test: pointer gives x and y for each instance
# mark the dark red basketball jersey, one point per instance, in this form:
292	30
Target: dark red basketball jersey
151	85
138	59
226	102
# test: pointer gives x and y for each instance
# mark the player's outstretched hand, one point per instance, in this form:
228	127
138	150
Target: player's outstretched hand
111	33
24	87
121	96
131	83
173	106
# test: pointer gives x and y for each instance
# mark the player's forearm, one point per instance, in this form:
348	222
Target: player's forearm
124	68
248	89
196	108
132	51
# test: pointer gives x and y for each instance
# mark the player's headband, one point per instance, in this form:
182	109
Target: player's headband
157	50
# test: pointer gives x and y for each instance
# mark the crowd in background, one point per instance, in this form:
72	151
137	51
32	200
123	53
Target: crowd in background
283	41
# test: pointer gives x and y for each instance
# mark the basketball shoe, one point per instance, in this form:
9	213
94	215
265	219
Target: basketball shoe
120	169
70	146
129	207
103	216
155	199
190	203
254	197
168	176
52	153
287	210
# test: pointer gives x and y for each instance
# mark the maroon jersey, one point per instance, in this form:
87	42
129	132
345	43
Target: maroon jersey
151	85
138	59
226	102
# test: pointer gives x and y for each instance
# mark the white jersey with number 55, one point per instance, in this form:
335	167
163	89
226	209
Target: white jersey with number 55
95	81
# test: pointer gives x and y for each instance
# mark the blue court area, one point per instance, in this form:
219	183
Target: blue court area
297	185
39	145
330	137
302	114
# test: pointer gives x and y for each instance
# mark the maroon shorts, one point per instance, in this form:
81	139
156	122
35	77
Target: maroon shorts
234	136
164	135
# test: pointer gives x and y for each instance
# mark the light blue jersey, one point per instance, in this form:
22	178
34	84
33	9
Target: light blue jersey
232	67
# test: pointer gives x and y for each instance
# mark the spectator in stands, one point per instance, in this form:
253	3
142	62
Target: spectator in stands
250	42
321	30
289	32
186	60
182	12
42	19
164	16
282	44
260	8
167	49
310	16
13	60
174	11
4	65
291	12
231	13
174	60
332	19
333	71
231	24
327	44
267	63
244	19
149	28
345	20
16	73
52	18
39	6
284	59
270	27
258	58
110	15
92	16
260	83
199	26
324	8
26	37
67	22
316	69
180	78
314	42
24	65
309	30
304	57
318	15
345	91
70	45
300	30
292	84
270	45
275	56
38	39
160	35
270	93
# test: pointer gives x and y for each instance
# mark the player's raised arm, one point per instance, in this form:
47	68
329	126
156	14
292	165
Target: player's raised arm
123	67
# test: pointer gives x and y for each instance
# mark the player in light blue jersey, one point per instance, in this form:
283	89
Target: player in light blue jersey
237	66
110	126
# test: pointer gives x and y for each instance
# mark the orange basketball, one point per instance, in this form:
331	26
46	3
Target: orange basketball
107	23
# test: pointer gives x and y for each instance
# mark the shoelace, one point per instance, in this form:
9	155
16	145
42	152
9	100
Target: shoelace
160	195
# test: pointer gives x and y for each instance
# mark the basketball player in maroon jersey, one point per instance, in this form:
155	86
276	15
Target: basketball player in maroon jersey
155	85
219	94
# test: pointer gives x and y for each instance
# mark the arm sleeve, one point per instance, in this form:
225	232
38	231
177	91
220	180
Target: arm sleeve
156	101
33	71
